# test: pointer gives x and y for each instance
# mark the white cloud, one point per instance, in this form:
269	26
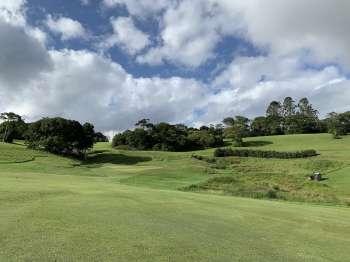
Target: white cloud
22	57
127	36
88	86
11	11
191	31
141	8
288	26
66	27
249	84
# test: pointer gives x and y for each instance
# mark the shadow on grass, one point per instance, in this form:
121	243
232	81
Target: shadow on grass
116	159
257	143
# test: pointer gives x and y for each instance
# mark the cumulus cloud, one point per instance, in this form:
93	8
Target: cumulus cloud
191	31
287	26
66	27
11	11
22	56
127	36
84	85
249	84
36	81
88	87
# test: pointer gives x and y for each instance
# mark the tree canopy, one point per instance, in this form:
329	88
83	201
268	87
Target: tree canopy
12	127
61	136
167	137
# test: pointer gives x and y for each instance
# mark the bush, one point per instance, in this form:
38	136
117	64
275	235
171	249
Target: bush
225	152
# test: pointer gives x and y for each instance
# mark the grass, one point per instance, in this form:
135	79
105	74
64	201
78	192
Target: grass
286	178
126	206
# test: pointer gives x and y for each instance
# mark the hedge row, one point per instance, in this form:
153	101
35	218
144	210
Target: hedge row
203	158
224	152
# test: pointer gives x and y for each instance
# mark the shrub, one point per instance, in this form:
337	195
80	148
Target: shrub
225	152
271	194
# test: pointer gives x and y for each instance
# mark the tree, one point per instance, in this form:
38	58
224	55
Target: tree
237	128
145	124
229	121
99	137
274	118
13	127
260	127
307	117
345	120
335	125
288	107
274	109
60	136
167	137
306	109
88	139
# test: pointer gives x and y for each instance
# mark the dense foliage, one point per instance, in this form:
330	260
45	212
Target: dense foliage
69	137
167	137
12	127
225	152
287	117
61	136
338	124
99	137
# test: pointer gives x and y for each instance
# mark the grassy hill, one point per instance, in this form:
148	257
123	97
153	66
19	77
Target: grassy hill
126	206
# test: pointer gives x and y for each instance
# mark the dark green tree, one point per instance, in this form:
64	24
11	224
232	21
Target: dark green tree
60	136
335	125
236	129
167	137
260	126
288	107
99	137
12	127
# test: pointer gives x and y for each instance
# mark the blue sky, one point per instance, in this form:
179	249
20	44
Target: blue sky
96	18
112	62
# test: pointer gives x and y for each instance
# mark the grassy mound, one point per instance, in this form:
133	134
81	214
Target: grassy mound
15	154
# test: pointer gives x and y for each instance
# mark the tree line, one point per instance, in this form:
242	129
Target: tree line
286	117
168	137
55	135
62	136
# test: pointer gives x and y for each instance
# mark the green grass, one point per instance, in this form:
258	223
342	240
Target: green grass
126	206
286	178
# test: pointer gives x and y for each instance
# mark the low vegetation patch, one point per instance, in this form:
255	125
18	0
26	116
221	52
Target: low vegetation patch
230	185
225	152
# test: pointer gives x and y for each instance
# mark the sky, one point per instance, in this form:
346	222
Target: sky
114	62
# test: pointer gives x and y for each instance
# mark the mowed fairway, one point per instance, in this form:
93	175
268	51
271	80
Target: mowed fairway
125	206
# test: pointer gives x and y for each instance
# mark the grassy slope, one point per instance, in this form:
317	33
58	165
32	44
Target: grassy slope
121	208
252	175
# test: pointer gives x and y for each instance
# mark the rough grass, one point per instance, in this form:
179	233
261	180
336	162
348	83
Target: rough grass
286	179
126	206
